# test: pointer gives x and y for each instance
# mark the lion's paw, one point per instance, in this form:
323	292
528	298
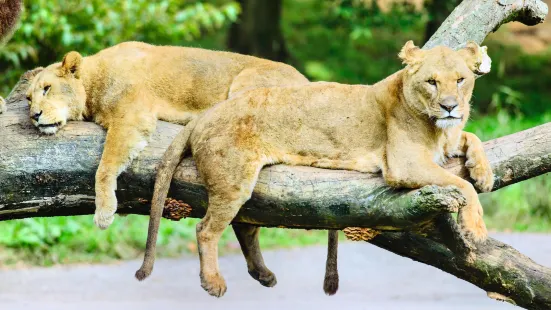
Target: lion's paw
481	172
478	234
103	220
266	278
106	207
215	285
472	224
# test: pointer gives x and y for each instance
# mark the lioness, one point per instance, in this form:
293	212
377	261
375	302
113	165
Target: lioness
128	87
404	126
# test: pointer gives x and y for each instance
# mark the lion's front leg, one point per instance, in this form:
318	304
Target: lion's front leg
477	162
123	143
418	170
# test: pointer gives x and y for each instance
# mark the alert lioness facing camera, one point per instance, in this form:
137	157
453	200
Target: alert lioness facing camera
404	126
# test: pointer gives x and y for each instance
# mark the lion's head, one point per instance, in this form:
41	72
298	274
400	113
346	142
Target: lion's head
57	94
439	82
19	91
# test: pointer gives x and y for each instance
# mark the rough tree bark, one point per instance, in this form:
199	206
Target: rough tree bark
475	19
53	176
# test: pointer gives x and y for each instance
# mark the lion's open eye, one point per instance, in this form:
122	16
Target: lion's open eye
29	99
46	89
432	82
460	80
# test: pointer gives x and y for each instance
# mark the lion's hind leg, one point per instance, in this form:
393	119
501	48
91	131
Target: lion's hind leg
226	196
247	235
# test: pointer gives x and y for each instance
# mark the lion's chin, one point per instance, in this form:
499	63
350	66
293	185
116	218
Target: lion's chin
448	122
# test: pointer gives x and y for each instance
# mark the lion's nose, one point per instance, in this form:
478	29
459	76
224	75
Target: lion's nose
36	116
448	104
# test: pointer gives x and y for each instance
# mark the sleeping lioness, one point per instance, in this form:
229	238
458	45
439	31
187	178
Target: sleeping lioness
128	87
404	126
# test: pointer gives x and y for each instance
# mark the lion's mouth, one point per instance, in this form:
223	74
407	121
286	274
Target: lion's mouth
451	117
448	122
49	125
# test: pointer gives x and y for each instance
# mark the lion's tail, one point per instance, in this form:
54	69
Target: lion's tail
331	281
10	10
169	162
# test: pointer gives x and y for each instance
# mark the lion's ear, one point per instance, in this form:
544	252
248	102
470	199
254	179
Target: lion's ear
410	54
71	64
476	57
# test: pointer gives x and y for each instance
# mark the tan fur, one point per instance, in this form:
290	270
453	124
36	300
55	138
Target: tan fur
3	105
128	87
19	91
398	126
9	15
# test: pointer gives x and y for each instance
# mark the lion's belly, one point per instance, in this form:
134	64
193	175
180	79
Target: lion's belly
368	162
317	151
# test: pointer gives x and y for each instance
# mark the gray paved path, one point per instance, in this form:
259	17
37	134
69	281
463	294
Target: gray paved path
371	278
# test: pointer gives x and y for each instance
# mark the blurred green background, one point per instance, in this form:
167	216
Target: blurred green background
349	41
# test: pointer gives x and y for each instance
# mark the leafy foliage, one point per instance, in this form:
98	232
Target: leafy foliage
49	29
349	41
47	241
361	17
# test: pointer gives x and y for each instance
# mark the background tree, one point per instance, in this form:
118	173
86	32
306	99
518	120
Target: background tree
49	29
437	11
258	30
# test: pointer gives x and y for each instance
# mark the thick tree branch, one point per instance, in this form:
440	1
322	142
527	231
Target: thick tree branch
52	176
500	270
475	19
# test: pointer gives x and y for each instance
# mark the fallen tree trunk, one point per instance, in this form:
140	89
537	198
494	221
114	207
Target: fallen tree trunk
54	176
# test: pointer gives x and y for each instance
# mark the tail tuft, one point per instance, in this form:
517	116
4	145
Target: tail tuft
331	284
331	281
142	274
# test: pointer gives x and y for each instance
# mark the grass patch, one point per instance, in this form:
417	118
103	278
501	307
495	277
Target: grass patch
62	240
